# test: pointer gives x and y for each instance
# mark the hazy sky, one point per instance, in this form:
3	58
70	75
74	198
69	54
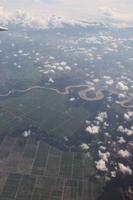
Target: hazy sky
66	7
75	9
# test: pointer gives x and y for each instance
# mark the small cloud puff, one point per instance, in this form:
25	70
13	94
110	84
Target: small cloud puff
101	116
72	99
92	129
84	146
124	169
27	133
60	68
113	174
63	63
104	156
128	116
122	86
109	82
101	166
51	80
129	132
124	153
121	140
67	68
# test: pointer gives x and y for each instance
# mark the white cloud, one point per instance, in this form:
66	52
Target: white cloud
102	116
72	99
102	148
107	77
129	132
101	166
27	133
107	134
121	140
122	86
54	13
124	153
60	68
113	174
121	95
67	68
63	63
109	82
51	58
116	16
104	156
128	116
124	169
121	129
96	80
51	80
92	129
84	146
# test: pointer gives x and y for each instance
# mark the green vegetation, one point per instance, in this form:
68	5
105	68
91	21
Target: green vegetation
53	166
41	108
30	148
25	188
41	158
11	186
66	164
19	145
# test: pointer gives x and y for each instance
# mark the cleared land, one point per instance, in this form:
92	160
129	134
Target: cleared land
35	170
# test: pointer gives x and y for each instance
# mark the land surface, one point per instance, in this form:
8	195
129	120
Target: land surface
66	113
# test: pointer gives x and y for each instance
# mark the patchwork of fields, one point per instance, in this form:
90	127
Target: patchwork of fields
33	170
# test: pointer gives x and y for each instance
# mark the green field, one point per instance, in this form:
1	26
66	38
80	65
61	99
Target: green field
44	109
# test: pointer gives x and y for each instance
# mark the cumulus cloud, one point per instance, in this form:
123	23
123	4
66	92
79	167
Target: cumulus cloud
122	86
102	116
63	63
109	82
51	80
104	156
27	19
96	80
129	132
102	148
116	17
84	146
92	129
124	153
113	173
60	68
88	13
121	140
107	134
67	68
27	133
101	165
128	116
124	169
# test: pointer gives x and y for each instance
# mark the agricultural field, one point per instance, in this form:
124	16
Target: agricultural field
34	170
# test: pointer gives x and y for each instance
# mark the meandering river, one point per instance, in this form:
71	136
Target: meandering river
99	95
